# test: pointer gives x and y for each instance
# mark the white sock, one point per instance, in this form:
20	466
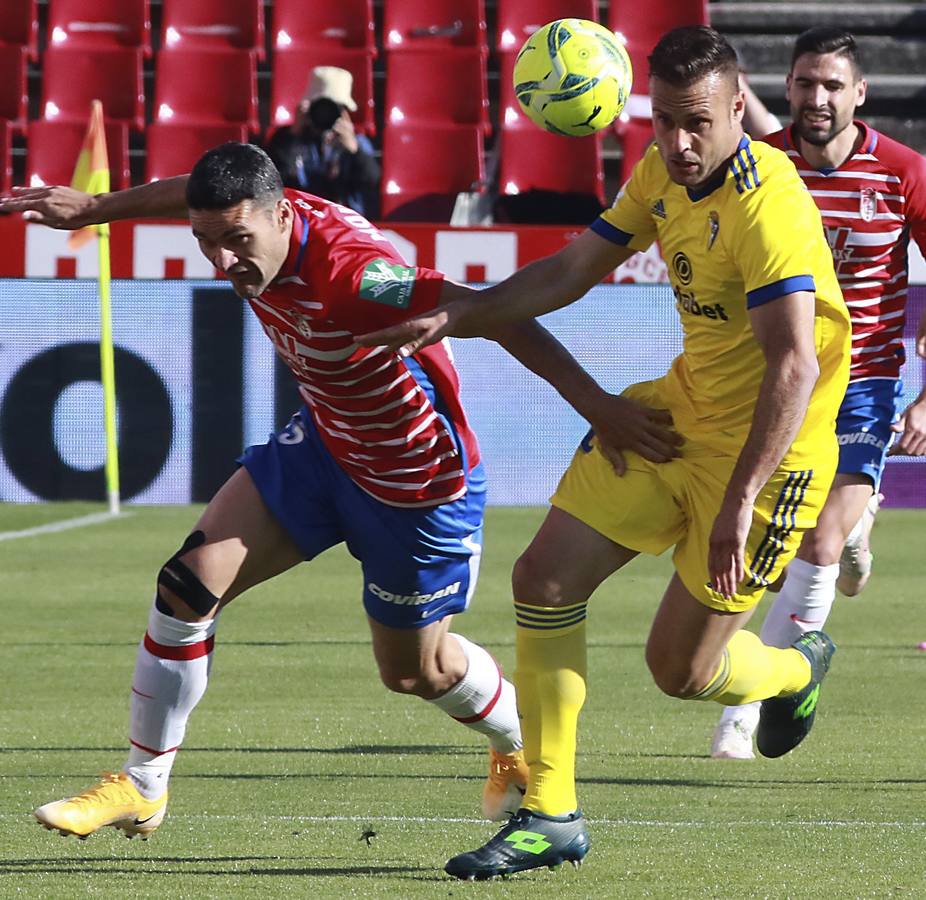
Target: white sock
803	604
483	700
171	673
747	714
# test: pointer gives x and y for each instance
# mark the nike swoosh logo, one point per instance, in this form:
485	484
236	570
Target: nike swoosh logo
805	623
142	821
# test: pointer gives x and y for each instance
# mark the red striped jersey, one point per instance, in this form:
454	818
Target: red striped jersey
371	407
871	206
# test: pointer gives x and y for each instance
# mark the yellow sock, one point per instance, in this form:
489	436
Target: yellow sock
751	670
550	682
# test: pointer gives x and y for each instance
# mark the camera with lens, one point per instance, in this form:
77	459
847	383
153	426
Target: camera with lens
323	113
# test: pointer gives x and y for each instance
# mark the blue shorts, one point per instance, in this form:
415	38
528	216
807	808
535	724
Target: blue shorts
419	565
863	426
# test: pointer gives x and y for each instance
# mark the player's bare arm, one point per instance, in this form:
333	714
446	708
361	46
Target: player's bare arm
911	424
784	329
63	207
538	288
619	423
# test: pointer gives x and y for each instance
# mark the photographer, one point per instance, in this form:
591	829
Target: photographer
320	152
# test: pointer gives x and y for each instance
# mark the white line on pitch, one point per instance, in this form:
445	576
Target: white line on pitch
63	525
594	822
657	823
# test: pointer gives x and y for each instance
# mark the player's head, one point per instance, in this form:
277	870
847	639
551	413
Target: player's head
697	104
239	215
825	84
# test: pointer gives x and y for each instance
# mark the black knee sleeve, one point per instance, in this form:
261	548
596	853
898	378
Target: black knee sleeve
177	577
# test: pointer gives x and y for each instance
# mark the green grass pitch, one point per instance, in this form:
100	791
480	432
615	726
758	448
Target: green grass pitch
297	748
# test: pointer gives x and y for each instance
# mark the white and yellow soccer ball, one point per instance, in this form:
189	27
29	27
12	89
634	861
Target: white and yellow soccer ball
572	77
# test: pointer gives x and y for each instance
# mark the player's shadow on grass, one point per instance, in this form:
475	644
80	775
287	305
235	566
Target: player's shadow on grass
191	867
350	749
307	642
857	783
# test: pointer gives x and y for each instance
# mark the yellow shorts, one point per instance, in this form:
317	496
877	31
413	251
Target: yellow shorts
654	506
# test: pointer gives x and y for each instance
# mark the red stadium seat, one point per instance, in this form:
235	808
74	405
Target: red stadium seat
100	23
534	160
6	156
213	23
14	97
291	70
517	20
509	110
72	78
217	87
426	166
433	23
172	149
641	29
641	25
347	23
19	24
635	136
444	85
53	148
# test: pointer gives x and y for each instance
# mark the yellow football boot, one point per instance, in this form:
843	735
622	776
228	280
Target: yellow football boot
114	801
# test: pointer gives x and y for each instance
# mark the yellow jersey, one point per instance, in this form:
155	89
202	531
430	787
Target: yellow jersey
748	237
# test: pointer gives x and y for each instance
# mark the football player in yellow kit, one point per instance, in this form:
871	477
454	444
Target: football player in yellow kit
727	458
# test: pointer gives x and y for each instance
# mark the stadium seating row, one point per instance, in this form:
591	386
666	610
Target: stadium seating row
205	85
347	23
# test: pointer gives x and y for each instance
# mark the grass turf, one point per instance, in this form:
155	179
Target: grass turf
297	749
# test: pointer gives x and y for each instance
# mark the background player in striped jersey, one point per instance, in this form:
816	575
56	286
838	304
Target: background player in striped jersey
871	192
380	457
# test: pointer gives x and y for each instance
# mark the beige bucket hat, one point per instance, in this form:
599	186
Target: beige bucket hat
331	82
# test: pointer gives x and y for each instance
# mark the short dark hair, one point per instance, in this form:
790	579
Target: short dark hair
230	173
826	39
686	55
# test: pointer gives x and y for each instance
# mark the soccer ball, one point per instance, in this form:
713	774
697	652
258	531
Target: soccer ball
572	77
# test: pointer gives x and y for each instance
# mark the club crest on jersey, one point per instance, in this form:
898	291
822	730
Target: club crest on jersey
387	283
713	221
867	203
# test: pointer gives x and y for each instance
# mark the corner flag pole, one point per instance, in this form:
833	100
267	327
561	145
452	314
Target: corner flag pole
91	174
108	371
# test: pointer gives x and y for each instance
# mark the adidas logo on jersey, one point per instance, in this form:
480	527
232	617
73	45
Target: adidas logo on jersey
658	209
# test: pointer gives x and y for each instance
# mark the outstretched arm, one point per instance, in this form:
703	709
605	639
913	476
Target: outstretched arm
619	423
63	207
538	288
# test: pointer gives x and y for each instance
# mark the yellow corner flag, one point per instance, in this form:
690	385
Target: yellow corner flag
91	174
